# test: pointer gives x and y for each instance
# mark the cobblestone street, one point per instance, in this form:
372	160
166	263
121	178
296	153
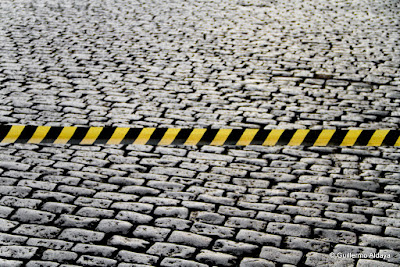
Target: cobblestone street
267	64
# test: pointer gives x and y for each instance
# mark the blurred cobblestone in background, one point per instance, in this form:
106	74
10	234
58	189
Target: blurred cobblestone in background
234	64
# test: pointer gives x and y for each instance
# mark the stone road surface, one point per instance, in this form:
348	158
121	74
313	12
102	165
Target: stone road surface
200	63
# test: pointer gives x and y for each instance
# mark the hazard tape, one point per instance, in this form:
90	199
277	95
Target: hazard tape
194	137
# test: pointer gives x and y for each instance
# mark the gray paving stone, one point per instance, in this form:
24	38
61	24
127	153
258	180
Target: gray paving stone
366	263
288	229
319	259
131	243
216	258
114	226
281	255
81	235
173	223
171	250
42	264
95	250
336	236
86	260
95	212
49	243
59	255
178	212
32	216
189	239
169	262
16	191
273	217
11	263
75	221
151	233
235	248
37	230
133	217
237	222
17	252
11	239
256	262
178	73
363	228
212	230
6	225
379	241
307	244
133	257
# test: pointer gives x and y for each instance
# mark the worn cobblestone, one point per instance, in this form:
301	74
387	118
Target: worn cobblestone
199	64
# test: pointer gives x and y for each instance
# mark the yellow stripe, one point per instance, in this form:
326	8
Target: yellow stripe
298	137
273	137
324	137
65	135
117	136
221	137
378	137
351	137
169	137
397	142
247	137
144	136
91	135
13	134
39	134
195	137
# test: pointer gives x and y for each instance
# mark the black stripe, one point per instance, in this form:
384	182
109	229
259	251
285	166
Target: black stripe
234	137
364	137
26	134
311	137
52	135
78	135
337	138
285	137
156	136
391	138
260	137
182	136
4	129
131	136
208	137
105	135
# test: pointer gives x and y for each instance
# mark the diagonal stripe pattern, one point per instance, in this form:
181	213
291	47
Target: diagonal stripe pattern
195	137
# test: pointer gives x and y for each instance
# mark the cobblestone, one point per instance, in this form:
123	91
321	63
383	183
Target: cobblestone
18	252
281	255
86	260
32	216
189	239
114	226
96	250
235	248
171	250
169	262
59	256
132	243
212	230
216	258
37	230
133	257
81	235
288	229
199	64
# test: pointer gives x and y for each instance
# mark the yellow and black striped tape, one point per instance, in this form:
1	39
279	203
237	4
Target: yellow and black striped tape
193	137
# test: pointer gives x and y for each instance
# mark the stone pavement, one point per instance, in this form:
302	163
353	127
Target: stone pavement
197	63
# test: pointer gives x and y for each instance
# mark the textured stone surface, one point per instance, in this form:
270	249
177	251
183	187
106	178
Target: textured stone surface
237	64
